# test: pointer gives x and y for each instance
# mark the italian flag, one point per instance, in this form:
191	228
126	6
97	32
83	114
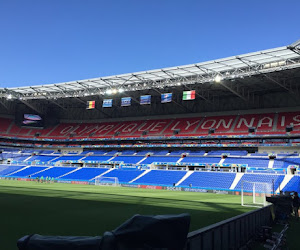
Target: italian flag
188	95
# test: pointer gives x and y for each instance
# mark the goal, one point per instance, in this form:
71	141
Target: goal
253	194
106	181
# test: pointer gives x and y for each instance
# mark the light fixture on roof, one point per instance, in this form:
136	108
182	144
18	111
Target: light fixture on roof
179	83
121	90
9	96
109	91
218	78
114	91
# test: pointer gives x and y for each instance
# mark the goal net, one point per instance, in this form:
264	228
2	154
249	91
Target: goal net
106	181
254	194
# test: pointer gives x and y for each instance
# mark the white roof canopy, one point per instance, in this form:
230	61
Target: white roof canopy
265	61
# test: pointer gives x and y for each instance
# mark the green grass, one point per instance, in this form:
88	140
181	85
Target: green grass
65	209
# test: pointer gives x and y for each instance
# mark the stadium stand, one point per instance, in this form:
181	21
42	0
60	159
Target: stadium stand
161	177
267	178
223	125
124	176
209	180
84	174
8	169
27	172
54	172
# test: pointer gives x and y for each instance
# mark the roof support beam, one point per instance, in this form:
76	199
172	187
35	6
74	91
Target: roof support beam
35	108
4	105
234	91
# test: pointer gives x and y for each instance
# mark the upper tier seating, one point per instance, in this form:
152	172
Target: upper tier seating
68	158
252	162
285	162
199	126
166	159
42	158
220	152
209	180
190	159
97	158
161	177
128	159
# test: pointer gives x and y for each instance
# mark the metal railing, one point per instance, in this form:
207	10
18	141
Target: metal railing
232	233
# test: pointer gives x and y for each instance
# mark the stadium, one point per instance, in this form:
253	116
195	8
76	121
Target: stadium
199	138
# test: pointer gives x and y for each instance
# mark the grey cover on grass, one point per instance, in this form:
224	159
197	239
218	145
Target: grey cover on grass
139	232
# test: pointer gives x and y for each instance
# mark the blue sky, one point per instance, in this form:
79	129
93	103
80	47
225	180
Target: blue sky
63	40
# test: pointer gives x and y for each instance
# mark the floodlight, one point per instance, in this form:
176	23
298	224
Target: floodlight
9	97
109	91
218	78
114	91
121	90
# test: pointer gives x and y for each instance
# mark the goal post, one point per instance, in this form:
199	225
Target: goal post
106	181
253	194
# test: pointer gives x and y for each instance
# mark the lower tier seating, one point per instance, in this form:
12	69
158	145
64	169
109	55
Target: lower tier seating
84	174
209	180
293	184
54	172
266	178
124	175
8	169
161	177
28	171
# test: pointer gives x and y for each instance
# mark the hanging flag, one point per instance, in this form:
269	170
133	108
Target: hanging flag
107	103
90	104
145	99
189	95
125	101
167	97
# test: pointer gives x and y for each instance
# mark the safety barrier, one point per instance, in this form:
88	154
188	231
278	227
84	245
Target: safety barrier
232	233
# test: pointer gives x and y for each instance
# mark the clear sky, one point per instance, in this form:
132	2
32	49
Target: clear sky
51	41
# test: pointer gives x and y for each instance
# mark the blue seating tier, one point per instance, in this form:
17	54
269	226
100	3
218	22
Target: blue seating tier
153	158
7	169
85	174
209	180
128	159
201	160
28	171
161	177
265	178
124	175
293	184
54	172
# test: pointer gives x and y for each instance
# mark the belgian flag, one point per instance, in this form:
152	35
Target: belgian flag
90	104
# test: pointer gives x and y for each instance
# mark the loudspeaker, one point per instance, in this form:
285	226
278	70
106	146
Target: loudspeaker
145	132
117	133
211	131
251	130
37	134
176	131
289	128
59	150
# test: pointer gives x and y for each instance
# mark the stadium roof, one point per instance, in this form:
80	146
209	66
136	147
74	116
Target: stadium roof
260	62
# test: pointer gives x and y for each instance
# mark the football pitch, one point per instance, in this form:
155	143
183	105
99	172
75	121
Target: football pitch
66	209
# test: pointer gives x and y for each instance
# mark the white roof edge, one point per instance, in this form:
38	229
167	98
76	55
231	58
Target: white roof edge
139	73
